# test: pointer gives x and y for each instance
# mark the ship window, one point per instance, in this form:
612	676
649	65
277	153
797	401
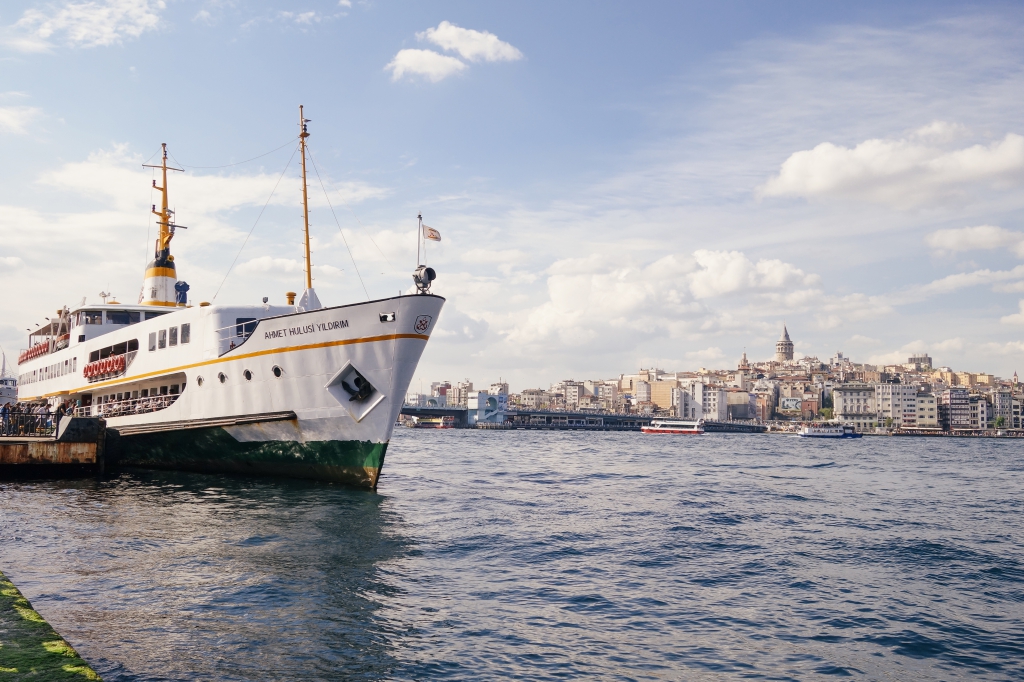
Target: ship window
223	377
120	349
162	338
135	394
199	381
118	317
93	316
94	356
174	389
133	345
150	316
186	332
278	371
163	390
248	375
244	326
173	340
152	340
145	393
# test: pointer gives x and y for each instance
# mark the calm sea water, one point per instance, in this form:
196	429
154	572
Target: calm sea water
545	555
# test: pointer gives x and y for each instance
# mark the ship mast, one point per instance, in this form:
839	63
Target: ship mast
303	134
161	285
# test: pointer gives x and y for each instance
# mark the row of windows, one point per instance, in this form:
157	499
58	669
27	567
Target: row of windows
113	316
172	389
58	369
170	337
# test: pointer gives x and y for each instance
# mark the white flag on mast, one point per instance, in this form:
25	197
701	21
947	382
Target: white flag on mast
431	234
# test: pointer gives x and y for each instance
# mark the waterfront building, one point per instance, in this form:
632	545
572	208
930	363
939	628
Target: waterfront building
896	402
854	405
500	388
927	411
784	347
980	412
642	392
661	393
534	398
954	409
459	393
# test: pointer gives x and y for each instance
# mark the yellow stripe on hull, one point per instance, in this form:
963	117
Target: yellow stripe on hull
162	272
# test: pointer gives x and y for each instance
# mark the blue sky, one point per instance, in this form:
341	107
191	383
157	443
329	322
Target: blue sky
617	184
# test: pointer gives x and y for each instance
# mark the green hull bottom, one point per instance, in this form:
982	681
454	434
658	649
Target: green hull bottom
214	450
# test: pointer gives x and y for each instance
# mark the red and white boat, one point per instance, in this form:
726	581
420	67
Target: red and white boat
692	428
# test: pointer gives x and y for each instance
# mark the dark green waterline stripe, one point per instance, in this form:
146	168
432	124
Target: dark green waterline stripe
29	648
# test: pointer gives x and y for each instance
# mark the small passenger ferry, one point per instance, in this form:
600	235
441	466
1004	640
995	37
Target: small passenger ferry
293	389
829	431
681	427
434	423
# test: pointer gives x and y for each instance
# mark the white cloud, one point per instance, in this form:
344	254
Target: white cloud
427	63
936	350
1016	318
16	119
981	237
729	272
472	45
10	261
345	3
87	24
902	173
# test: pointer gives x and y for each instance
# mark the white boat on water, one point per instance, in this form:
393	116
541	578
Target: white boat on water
674	426
828	431
298	390
8	384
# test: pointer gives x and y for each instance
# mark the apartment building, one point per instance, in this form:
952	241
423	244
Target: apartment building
897	402
954	410
927	411
854	405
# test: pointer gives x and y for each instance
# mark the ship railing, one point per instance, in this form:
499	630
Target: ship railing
127	406
29	424
228	337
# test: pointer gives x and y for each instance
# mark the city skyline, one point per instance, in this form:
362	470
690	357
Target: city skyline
615	187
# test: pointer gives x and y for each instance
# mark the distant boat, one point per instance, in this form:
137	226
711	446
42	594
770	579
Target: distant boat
691	428
8	384
830	431
434	423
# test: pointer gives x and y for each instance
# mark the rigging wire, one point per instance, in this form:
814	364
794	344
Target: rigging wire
350	254
255	223
365	231
149	223
151	157
239	163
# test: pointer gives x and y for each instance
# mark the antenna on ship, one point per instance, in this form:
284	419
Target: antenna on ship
309	300
161	286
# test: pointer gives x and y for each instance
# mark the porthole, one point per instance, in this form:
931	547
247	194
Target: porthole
248	375
199	381
278	371
223	377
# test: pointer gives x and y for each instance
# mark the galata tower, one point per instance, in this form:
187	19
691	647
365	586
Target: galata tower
784	347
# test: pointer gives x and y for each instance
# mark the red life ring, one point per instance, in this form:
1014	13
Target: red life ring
120	363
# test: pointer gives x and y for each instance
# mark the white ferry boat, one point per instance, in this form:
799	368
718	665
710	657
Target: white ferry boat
674	426
298	390
8	384
829	431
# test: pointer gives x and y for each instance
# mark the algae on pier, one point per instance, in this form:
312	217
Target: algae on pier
29	648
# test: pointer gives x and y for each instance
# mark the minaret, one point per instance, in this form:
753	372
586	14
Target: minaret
161	285
784	347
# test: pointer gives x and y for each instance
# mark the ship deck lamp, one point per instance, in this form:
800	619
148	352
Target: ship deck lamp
423	276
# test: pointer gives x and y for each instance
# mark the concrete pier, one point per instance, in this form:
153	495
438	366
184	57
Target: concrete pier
75	448
29	648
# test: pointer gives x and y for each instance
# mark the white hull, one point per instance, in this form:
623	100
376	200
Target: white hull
300	406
